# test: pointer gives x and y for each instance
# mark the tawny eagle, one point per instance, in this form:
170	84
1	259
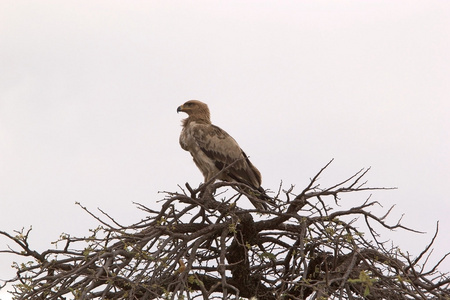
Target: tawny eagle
213	149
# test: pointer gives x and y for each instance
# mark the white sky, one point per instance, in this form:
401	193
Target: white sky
89	91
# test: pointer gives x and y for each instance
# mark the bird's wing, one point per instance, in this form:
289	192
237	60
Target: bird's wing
220	147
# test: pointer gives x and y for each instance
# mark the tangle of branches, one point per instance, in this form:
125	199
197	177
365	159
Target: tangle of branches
202	245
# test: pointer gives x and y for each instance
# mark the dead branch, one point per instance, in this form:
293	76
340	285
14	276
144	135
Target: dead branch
202	245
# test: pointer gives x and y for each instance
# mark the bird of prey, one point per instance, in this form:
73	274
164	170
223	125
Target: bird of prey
213	150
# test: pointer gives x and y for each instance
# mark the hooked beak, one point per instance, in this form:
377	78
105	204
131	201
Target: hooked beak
180	108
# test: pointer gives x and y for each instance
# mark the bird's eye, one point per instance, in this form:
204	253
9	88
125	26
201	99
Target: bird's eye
189	104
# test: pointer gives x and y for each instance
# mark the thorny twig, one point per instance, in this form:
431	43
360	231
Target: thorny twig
197	246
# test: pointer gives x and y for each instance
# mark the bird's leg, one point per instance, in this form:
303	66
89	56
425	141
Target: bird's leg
206	191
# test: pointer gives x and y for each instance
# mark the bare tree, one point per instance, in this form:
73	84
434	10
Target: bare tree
202	245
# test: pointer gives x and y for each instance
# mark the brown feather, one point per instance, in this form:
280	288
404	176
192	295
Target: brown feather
213	149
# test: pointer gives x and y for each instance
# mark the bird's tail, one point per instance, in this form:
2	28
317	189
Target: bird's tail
260	199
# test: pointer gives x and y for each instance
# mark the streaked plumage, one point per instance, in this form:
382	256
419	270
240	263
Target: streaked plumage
214	149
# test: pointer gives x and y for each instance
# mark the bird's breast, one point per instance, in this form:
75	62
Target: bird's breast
187	140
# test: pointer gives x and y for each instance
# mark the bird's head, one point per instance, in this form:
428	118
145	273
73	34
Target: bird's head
195	110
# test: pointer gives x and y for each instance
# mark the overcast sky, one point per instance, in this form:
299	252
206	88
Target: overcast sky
89	91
